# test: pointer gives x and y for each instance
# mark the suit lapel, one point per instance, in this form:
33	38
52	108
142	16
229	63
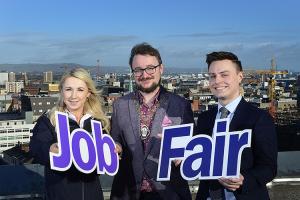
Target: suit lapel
134	117
207	122
156	127
238	116
212	119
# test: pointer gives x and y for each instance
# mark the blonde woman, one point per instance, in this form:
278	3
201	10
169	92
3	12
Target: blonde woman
78	98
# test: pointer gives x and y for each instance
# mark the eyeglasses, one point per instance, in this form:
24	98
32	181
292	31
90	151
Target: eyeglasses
149	70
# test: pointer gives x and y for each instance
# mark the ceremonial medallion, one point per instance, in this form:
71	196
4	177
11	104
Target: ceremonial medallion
144	132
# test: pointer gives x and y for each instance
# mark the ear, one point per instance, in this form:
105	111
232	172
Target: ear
161	68
240	76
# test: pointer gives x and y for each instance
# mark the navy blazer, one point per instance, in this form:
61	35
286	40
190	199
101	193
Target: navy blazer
258	163
126	131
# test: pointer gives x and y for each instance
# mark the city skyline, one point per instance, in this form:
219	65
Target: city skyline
184	32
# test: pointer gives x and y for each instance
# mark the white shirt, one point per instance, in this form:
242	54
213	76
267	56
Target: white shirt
83	118
231	107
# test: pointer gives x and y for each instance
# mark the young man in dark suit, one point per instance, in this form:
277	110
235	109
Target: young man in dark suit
258	163
137	122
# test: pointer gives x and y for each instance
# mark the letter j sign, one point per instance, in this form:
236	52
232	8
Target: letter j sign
87	151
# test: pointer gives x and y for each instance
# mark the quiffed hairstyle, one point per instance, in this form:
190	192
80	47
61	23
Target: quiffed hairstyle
144	49
92	104
223	55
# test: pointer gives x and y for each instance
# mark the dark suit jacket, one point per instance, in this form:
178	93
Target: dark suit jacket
126	131
70	184
258	163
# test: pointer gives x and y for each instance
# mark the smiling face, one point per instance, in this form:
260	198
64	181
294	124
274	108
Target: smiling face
147	83
75	93
224	80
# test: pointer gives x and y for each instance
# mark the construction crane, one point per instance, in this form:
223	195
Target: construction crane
272	83
271	73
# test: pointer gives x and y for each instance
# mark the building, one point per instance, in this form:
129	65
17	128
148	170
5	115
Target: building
53	88
15	128
31	90
17	155
3	78
5	102
37	104
286	104
12	77
24	78
14	87
48	77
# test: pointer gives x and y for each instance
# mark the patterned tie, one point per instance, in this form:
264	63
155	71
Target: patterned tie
224	112
216	191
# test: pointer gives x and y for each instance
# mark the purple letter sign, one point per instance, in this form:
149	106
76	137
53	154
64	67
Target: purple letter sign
87	152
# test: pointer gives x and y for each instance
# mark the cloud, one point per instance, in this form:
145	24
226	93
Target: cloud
88	42
43	48
178	51
202	35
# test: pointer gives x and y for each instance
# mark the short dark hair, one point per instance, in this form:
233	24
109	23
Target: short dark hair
223	55
144	49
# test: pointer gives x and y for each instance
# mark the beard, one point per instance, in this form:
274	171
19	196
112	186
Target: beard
149	89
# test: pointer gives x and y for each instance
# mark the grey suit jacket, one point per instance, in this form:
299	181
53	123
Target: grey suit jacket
126	131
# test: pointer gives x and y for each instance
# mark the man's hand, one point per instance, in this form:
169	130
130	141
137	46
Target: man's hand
119	150
54	148
232	183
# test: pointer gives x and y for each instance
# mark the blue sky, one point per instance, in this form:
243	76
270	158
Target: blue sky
73	31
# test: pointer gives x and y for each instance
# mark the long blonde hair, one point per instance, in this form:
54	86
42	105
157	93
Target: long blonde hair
92	104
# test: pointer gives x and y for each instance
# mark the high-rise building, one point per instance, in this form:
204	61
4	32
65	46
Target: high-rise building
24	78
3	78
12	77
48	77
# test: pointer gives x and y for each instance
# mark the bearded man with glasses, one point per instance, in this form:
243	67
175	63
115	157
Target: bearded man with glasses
137	122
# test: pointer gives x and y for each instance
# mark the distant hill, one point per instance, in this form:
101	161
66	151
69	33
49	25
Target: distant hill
60	67
36	67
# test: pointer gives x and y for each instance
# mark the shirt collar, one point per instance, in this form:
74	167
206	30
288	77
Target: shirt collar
83	118
151	102
232	105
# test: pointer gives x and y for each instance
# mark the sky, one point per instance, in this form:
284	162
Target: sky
84	31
